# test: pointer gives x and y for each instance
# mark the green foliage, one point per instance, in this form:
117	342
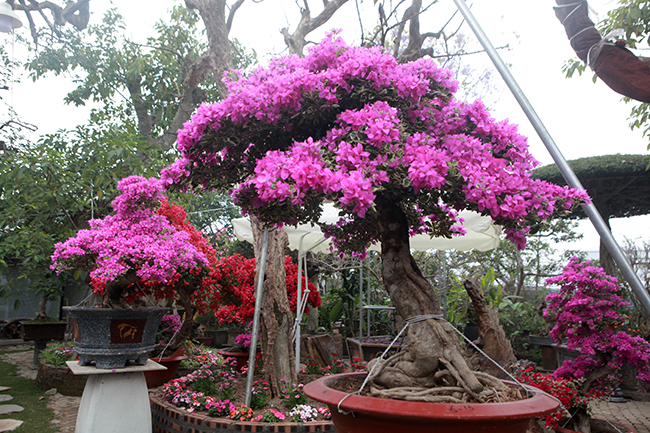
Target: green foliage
519	319
633	16
150	76
341	303
51	189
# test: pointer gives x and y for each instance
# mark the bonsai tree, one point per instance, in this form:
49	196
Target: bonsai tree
391	148
589	315
134	252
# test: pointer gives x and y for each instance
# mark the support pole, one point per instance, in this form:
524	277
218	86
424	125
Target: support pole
568	174
256	319
296	327
360	299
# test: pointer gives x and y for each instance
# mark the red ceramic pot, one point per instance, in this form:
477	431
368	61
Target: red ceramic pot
158	377
240	357
378	415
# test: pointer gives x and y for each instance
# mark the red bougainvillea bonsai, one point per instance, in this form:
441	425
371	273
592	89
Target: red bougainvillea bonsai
391	148
229	290
589	312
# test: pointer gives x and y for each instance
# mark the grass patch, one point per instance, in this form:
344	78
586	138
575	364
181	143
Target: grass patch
37	416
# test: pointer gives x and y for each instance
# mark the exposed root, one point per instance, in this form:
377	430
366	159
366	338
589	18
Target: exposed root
491	381
388	362
449	386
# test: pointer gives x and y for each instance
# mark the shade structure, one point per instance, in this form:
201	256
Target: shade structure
481	235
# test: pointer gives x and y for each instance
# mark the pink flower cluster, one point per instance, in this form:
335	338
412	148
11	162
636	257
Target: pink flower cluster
587	309
398	132
135	239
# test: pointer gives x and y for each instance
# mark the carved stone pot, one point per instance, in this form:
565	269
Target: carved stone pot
111	337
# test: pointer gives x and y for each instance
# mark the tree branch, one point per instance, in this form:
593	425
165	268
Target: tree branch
296	41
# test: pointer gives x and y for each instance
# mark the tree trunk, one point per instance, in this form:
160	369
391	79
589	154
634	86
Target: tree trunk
493	339
433	344
276	316
184	298
42	307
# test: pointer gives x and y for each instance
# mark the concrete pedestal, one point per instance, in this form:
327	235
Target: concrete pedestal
115	400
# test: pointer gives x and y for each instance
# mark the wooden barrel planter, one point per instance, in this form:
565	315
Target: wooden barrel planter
167	418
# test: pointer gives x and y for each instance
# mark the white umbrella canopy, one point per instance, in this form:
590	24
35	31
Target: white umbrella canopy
481	235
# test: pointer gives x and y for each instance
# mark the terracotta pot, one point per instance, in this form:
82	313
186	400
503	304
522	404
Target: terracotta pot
240	357
158	377
378	415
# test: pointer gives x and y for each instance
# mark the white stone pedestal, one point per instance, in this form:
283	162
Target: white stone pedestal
116	400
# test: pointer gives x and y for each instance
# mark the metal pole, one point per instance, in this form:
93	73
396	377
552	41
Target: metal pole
361	300
298	304
568	174
368	302
256	319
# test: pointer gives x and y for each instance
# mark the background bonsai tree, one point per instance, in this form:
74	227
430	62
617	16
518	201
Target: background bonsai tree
391	148
589	313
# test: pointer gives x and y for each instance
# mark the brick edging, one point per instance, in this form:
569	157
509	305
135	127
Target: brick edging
167	418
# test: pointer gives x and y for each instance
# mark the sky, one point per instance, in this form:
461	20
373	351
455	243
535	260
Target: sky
584	119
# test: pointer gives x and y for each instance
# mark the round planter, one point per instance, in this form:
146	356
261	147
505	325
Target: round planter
378	415
111	337
158	377
240	357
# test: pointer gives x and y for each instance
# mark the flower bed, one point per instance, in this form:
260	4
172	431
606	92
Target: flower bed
211	399
167	418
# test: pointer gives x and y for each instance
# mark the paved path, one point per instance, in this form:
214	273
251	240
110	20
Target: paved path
635	414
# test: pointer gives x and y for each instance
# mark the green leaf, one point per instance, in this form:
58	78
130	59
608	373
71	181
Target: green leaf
336	312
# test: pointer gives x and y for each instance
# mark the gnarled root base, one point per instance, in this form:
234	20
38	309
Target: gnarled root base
432	369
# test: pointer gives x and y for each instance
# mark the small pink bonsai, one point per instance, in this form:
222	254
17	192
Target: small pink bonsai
587	310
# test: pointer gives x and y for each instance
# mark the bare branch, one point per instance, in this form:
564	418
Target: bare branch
231	14
296	41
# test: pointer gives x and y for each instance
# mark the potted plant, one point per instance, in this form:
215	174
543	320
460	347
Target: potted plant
392	149
240	351
590	316
137	252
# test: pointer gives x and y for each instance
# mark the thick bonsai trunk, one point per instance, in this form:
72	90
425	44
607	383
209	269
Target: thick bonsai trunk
115	291
276	317
433	345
